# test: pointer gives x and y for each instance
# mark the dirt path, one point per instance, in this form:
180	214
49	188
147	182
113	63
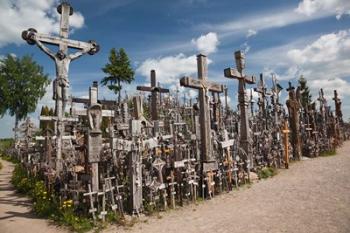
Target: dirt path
312	196
15	212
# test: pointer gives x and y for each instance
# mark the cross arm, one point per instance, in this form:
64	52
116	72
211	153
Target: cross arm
53	40
45	49
87	101
199	84
152	89
234	74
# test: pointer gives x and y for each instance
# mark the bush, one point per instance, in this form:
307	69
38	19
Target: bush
267	172
46	204
328	153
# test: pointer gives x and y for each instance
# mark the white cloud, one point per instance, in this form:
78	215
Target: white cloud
306	10
19	15
327	48
311	7
324	62
206	44
251	33
169	69
245	47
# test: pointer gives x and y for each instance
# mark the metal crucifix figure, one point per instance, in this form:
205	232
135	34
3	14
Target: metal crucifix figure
62	61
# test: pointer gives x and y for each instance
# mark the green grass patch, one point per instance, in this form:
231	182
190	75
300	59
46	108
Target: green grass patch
47	204
267	172
9	158
328	153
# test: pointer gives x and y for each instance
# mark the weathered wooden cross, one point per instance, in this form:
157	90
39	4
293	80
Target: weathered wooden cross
154	89
293	105
243	79
286	132
62	61
204	86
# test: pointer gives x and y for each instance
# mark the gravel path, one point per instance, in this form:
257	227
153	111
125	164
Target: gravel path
312	196
15	210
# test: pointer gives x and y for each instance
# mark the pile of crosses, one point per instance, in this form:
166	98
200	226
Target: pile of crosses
110	156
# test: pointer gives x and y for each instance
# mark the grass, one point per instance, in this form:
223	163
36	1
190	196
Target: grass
47	204
1	166
9	158
267	172
328	153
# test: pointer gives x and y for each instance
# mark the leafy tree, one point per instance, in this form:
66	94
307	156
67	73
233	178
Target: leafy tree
305	92
22	85
118	70
46	111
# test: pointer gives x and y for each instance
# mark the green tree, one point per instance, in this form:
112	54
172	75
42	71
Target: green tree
22	85
118	70
305	92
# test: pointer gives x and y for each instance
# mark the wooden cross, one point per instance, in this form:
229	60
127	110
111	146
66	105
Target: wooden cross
262	90
243	79
92	209
204	86
286	132
62	61
154	89
338	103
293	105
103	212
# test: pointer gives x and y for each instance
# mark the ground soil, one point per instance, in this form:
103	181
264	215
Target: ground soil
312	196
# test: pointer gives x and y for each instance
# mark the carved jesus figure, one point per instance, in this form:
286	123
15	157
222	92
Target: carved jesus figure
62	62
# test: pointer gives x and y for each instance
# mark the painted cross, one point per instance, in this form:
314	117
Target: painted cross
62	61
204	86
154	89
243	79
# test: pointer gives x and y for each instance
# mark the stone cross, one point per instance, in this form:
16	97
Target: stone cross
293	105
62	61
154	89
204	86
243	79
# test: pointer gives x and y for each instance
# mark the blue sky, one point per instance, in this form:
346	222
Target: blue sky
288	38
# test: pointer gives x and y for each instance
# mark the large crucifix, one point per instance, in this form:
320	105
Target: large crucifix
243	79
62	61
204	86
154	89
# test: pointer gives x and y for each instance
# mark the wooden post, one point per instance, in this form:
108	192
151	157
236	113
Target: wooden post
286	132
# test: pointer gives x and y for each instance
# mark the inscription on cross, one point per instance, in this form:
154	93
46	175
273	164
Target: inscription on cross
154	89
243	79
204	86
62	61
